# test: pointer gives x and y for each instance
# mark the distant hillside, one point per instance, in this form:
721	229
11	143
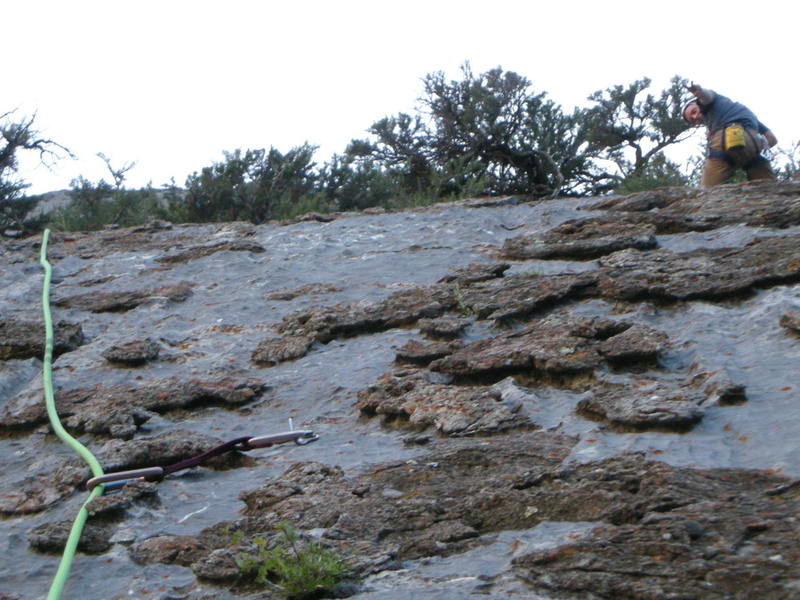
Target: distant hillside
50	201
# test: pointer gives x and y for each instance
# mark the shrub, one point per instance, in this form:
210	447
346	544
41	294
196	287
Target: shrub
96	205
299	569
659	173
18	136
250	185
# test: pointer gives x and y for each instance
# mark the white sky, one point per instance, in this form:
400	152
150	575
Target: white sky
170	84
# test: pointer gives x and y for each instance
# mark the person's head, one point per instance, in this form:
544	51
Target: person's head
692	113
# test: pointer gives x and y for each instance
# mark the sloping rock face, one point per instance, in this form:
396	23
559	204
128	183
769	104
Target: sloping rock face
682	548
482	375
584	239
556	346
25	339
119	410
661	531
760	205
122	301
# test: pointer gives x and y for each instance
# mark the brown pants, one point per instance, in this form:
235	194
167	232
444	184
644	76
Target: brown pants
719	171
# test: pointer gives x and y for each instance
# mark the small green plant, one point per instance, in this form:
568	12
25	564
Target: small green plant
300	570
463	307
286	208
236	536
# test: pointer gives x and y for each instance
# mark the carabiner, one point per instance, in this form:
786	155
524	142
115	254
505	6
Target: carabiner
298	436
148	474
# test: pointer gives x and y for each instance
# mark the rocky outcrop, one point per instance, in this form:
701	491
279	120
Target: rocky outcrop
442	328
702	274
201	251
312	289
656	524
26	339
99	302
558	346
635	219
60	480
475	272
760	204
169	549
105	513
323	324
134	353
272	351
119	410
719	540
583	239
790	321
452	410
342	320
460	401
519	296
646	406
424	353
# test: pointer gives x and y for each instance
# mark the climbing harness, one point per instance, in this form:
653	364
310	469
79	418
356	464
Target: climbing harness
101	482
113	481
733	140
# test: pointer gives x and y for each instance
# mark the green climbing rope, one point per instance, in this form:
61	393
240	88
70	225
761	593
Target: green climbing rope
47	381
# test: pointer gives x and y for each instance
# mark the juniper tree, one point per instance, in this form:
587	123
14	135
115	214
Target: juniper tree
16	136
629	129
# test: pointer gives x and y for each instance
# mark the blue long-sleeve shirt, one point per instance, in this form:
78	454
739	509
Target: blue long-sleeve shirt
722	111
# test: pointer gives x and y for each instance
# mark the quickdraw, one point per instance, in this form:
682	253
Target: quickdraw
114	481
105	482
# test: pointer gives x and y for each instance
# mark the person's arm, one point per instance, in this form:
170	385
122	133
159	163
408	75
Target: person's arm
704	97
769	138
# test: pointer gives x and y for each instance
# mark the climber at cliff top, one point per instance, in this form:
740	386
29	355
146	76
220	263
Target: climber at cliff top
736	138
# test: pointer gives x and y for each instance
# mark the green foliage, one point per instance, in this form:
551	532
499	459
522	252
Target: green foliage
629	129
491	133
286	208
94	205
172	203
659	172
463	308
19	136
401	148
458	177
299	569
249	186
490	118
486	133
90	207
236	537
351	183
15	210
223	191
